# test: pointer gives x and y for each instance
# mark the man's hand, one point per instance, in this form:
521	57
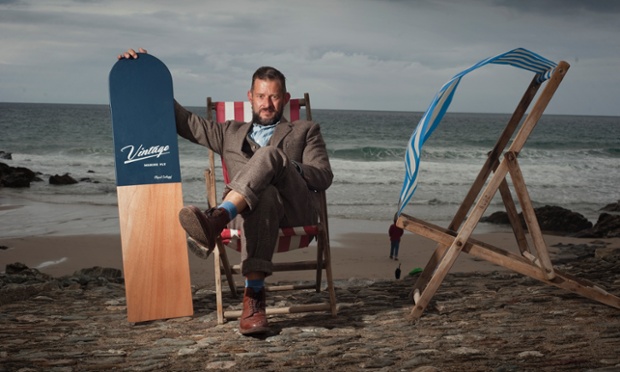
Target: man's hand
130	53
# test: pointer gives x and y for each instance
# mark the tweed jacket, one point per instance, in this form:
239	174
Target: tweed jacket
301	141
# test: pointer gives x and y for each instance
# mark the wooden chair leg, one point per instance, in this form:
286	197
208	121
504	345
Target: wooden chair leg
436	279
220	260
218	286
529	214
320	261
327	263
429	269
513	217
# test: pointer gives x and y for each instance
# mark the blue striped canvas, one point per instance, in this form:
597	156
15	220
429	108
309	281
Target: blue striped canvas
520	58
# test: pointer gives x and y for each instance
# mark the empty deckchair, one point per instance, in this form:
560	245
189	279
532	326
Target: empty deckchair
500	164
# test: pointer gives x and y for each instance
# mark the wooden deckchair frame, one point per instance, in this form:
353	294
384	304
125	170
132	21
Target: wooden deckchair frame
323	255
457	237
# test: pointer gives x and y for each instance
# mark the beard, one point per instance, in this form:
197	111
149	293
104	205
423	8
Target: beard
270	121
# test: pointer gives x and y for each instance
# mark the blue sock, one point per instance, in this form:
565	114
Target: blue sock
230	208
256	284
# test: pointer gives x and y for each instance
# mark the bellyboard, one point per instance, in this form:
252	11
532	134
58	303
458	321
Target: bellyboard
148	179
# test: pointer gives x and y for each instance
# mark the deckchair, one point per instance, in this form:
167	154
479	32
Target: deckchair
290	238
456	238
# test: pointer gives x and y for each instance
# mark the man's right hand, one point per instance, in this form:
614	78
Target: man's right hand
130	53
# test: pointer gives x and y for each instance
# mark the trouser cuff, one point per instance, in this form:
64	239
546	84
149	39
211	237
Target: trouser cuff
256	265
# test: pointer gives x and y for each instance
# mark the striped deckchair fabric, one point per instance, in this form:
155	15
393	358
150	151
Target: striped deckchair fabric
289	238
520	58
242	111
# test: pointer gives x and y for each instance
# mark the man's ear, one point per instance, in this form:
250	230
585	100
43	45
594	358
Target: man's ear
250	95
287	97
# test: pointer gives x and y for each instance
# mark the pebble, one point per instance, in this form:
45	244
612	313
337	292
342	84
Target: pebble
491	321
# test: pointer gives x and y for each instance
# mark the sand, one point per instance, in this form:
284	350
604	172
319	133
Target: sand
360	249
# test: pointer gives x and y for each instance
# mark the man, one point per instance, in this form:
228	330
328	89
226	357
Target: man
395	233
276	169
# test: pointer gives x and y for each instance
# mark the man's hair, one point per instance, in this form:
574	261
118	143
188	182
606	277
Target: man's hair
269	73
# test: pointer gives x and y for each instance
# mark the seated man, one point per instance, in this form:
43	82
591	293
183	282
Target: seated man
275	168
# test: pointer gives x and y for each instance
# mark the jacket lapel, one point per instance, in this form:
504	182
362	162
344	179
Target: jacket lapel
282	130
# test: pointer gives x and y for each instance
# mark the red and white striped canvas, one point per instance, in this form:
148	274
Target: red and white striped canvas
242	111
290	238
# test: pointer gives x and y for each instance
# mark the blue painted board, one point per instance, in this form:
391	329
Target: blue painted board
142	108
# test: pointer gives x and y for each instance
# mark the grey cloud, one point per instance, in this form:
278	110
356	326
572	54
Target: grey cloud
559	7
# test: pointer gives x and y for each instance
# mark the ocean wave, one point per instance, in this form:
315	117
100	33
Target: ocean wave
368	153
568	161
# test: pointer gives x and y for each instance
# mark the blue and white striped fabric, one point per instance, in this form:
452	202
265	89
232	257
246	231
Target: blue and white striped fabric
521	58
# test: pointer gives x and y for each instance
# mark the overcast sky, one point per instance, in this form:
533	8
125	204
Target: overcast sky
348	54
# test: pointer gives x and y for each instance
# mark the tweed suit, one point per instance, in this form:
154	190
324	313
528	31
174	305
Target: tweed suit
277	193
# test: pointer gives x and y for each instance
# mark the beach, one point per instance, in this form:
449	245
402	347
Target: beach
479	320
61	239
482	318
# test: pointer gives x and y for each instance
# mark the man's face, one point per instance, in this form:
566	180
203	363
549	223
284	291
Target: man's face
268	101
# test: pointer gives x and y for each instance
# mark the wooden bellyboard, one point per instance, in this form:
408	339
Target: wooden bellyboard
154	247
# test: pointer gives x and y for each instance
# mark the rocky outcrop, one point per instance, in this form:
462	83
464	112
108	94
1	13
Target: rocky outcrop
607	226
19	282
613	207
558	219
65	179
16	177
551	219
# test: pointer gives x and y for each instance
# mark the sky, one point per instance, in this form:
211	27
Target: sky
348	54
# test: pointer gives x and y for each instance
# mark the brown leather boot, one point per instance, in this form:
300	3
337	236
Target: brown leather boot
253	317
203	227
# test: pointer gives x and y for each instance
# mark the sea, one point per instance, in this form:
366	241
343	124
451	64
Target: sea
569	161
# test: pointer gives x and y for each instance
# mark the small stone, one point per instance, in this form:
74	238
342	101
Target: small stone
465	351
220	365
531	354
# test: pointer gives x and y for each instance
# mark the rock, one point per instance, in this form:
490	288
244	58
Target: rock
112	275
497	218
608	254
65	179
550	218
613	207
19	281
607	226
15	268
558	219
19	273
16	177
5	155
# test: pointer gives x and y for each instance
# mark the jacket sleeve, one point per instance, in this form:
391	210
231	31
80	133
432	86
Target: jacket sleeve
315	165
198	129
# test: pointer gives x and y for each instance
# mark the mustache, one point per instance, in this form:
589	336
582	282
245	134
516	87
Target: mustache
277	115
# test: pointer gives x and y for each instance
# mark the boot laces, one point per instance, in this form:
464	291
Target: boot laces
257	303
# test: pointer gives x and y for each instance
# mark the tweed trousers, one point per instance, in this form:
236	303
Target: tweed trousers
277	196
